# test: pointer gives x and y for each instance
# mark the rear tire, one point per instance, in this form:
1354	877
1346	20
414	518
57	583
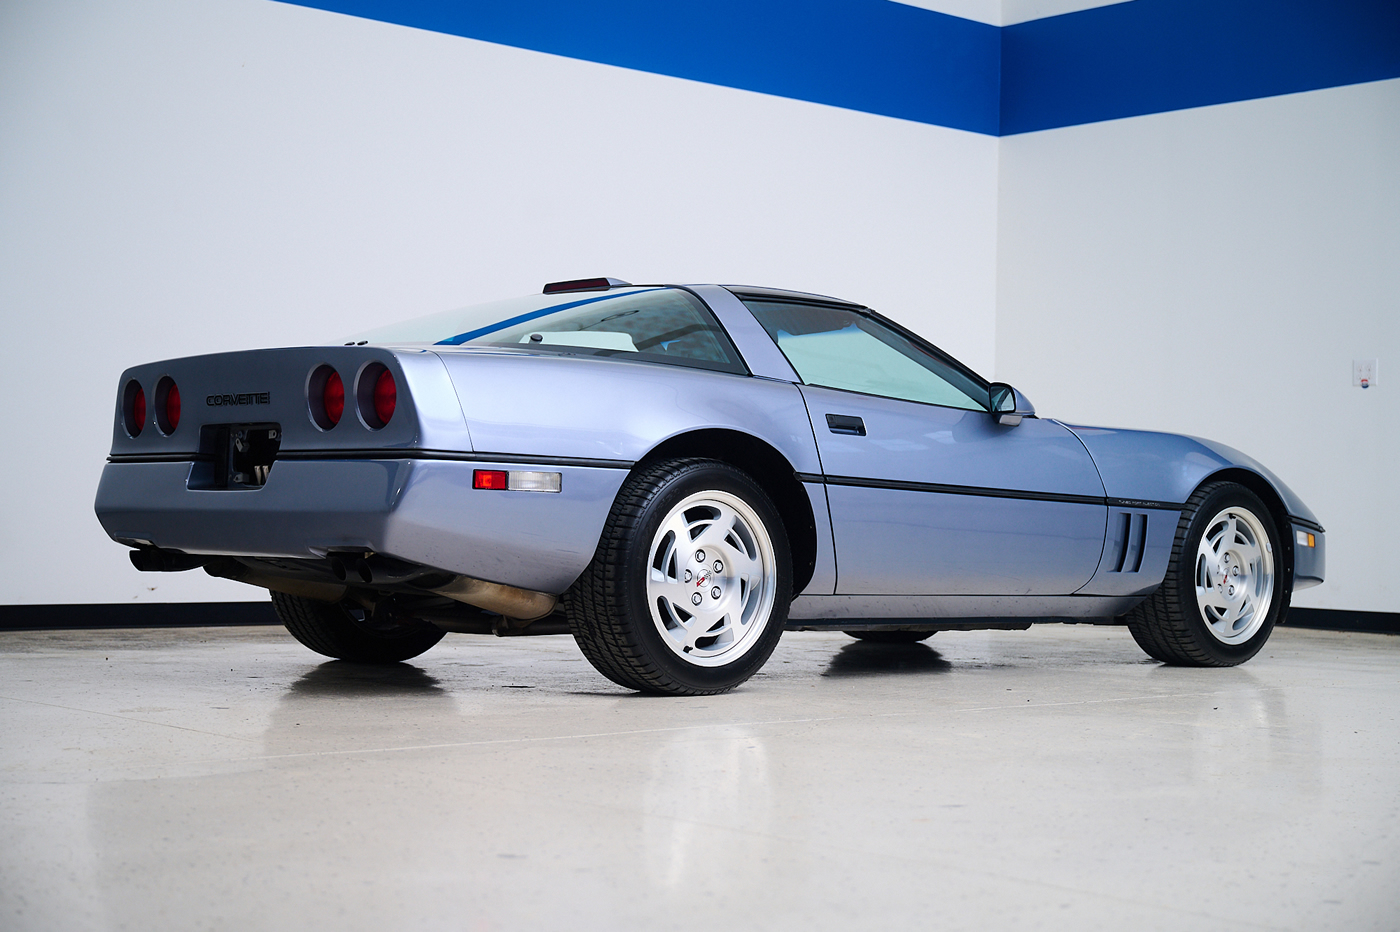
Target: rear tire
891	637
329	628
1224	588
688	591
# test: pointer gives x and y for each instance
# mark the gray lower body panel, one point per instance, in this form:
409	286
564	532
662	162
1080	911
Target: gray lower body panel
423	511
835	608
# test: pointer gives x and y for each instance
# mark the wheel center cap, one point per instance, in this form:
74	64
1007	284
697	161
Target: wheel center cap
1231	585
703	578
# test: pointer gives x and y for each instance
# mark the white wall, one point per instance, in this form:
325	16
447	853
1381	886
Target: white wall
1215	272
189	176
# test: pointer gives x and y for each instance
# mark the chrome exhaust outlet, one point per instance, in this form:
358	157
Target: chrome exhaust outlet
521	605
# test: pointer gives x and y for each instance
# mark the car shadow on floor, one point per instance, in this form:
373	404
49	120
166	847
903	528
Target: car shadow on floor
343	679
861	658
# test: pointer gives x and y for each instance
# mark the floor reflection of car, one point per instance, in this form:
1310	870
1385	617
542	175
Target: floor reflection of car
673	475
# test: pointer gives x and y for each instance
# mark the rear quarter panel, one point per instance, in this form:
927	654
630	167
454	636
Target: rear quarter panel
575	406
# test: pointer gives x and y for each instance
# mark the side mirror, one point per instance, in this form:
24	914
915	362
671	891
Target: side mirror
1008	405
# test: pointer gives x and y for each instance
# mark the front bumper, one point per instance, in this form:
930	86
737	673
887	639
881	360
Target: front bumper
422	511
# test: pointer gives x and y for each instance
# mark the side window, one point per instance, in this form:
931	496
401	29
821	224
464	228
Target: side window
840	348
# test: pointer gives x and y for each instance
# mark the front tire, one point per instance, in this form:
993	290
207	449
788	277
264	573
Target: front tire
1224	589
329	628
688	591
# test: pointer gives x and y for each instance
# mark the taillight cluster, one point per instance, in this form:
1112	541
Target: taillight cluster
376	396
386	396
167	407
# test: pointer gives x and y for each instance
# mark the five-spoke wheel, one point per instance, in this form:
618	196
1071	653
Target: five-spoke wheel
711	578
1223	590
688	591
1234	575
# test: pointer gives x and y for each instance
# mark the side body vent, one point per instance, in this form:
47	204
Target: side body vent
1135	552
1128	541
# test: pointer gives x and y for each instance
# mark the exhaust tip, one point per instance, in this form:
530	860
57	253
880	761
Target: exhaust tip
158	560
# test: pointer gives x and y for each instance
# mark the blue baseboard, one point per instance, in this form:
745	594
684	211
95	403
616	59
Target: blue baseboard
136	615
1331	619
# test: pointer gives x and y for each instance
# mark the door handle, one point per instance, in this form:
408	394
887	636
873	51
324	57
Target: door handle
845	424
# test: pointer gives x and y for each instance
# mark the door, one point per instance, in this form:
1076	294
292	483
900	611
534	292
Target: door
929	494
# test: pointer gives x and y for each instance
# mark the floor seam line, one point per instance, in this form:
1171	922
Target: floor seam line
126	718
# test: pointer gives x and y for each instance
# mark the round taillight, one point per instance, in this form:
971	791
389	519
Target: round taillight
134	407
333	398
325	397
172	406
376	395
167	405
386	397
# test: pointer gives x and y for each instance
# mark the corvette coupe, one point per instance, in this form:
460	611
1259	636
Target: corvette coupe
674	475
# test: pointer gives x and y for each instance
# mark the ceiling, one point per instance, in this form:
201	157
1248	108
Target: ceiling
1006	12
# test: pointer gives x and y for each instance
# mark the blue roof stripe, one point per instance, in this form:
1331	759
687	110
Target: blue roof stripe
461	338
877	56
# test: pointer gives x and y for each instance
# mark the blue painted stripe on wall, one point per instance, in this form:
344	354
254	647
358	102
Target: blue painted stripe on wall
1153	56
876	56
869	55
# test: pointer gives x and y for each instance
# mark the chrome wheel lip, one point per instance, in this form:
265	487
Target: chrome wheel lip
1234	575
731	534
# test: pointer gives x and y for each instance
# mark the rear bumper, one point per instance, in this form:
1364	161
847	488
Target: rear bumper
422	511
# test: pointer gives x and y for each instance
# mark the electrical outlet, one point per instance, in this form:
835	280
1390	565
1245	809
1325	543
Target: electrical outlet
1363	373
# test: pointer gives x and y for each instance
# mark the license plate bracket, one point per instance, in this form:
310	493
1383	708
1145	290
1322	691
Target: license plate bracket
236	456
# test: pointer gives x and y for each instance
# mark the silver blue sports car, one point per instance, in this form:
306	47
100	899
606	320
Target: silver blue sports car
674	474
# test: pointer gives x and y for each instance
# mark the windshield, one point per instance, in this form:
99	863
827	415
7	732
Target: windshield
656	324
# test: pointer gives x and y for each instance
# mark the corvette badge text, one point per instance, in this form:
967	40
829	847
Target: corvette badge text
247	398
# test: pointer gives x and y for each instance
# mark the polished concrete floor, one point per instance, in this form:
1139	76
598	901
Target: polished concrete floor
225	778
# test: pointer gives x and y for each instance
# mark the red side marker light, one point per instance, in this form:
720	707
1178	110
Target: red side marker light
489	479
386	396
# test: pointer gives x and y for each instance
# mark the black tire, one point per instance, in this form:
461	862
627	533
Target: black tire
1172	626
329	628
891	637
637	644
